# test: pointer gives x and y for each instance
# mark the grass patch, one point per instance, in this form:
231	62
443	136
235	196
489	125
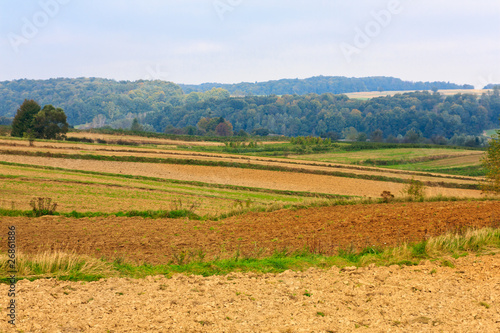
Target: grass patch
189	214
83	268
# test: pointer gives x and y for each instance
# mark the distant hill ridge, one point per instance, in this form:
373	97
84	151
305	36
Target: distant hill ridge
322	84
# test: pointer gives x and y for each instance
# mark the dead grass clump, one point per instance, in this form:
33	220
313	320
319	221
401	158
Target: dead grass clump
54	264
471	240
387	196
43	206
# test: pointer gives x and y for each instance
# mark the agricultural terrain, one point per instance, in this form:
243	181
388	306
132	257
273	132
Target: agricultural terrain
154	234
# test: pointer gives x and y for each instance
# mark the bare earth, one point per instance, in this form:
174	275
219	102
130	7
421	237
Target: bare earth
324	230
425	298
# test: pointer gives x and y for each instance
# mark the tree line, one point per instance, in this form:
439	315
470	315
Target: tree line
163	107
322	84
409	117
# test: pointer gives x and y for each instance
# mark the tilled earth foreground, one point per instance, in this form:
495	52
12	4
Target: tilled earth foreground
322	230
372	299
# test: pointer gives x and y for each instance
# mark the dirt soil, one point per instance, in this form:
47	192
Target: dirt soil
425	298
322	230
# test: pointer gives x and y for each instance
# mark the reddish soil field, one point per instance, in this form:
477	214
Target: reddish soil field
323	230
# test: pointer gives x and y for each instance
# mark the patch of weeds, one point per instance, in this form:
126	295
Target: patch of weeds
307	293
419	250
43	206
320	314
486	305
447	263
414	189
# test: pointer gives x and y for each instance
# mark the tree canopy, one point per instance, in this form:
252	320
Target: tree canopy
47	123
492	165
23	121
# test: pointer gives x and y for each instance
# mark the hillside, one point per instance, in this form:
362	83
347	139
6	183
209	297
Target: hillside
163	106
321	85
85	98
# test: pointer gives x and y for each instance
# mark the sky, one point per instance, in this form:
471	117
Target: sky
230	41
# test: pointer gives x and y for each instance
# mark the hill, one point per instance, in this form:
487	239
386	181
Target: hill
322	84
83	99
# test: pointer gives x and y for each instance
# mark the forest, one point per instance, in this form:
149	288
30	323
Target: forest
163	106
322	84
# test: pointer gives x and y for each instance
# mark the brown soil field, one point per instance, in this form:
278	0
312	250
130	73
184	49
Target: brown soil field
323	230
64	148
424	298
239	176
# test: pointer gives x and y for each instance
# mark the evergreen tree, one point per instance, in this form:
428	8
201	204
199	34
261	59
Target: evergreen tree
23	121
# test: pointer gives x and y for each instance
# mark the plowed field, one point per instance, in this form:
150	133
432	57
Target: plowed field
373	299
323	230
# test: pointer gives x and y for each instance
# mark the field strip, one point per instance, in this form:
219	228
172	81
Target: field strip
141	140
454	183
11	170
286	181
309	165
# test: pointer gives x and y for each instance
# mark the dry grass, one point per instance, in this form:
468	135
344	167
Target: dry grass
54	264
452	243
470	240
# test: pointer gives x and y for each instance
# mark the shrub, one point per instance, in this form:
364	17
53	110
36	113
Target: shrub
387	196
43	206
414	189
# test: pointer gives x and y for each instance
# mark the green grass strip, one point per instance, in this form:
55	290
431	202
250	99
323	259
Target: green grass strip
484	241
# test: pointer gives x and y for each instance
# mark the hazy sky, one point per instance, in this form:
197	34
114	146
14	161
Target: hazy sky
195	41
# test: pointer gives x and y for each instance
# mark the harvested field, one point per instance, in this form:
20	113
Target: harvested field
322	230
422	298
140	140
471	156
64	148
238	176
109	194
448	92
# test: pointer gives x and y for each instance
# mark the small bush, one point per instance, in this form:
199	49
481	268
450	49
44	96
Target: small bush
387	196
43	206
414	189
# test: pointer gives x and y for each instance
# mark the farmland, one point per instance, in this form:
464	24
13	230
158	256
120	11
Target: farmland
265	230
447	92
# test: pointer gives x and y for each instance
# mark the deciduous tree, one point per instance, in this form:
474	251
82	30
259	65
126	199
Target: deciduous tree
492	165
50	123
